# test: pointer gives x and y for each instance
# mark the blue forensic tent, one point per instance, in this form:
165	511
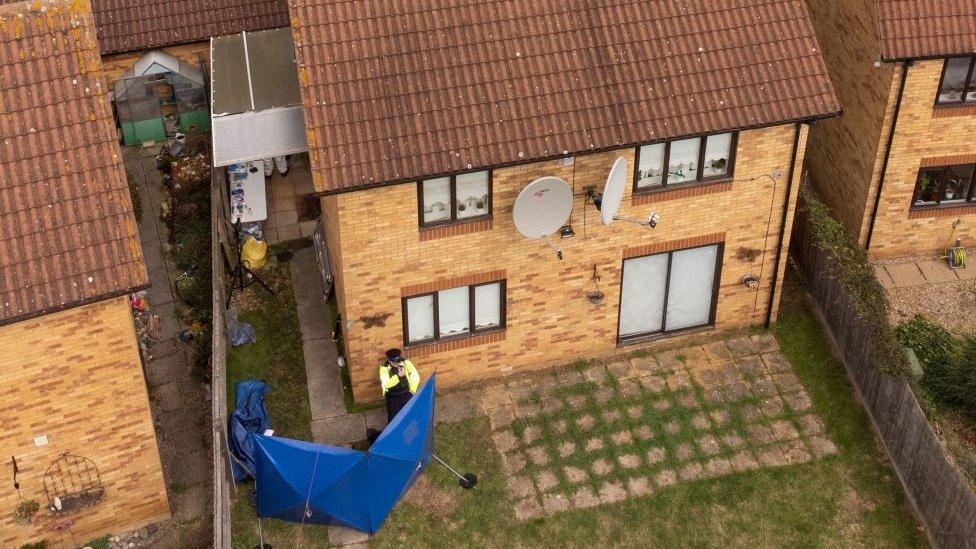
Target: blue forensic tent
250	418
302	481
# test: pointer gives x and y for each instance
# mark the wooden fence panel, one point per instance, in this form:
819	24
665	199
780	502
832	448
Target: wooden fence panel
222	481
939	494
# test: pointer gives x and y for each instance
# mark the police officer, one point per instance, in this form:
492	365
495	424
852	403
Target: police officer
400	380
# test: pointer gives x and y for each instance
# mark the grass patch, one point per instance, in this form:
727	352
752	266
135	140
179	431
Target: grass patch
851	499
277	358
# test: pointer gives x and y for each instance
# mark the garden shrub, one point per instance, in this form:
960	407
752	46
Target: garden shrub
949	362
867	295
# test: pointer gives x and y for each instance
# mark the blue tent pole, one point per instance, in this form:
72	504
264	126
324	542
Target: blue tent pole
467	481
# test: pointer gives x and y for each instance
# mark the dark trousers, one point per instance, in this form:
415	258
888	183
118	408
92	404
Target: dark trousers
395	402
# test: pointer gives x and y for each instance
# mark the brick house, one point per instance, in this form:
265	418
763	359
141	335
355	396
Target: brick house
71	378
897	167
425	124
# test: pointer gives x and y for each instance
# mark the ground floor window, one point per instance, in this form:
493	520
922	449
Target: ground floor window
454	312
669	292
944	186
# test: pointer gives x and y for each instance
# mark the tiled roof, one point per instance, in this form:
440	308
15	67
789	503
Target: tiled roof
132	25
397	90
67	232
926	28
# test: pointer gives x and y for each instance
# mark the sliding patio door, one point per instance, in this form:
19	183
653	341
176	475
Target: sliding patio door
669	292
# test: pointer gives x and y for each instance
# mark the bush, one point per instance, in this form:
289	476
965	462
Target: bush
949	362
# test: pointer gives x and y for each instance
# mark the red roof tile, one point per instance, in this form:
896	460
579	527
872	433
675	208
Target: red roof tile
132	25
398	90
926	28
67	233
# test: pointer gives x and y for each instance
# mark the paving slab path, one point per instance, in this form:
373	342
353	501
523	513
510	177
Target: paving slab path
636	426
179	402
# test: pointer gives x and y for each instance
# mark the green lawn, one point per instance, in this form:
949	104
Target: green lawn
276	357
851	499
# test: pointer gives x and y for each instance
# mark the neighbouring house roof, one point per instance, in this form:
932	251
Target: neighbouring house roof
926	28
133	25
398	90
67	231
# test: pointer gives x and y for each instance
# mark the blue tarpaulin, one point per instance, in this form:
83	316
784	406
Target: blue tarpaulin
302	481
250	417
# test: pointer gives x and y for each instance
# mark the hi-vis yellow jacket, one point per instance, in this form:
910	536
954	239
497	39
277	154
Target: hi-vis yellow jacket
389	380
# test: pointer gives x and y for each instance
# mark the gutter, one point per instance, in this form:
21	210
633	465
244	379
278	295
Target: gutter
782	230
597	150
887	155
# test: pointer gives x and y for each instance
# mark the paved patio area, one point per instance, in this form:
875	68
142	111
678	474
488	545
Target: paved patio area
929	287
581	438
286	195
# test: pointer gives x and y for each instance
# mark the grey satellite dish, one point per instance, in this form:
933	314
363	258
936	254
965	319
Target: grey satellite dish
613	194
613	191
542	207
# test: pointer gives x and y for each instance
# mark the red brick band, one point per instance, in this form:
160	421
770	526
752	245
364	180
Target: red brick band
426	349
938	161
661	247
455	230
685	192
445	283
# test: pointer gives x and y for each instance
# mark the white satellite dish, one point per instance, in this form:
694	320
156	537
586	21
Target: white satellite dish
542	207
613	191
613	194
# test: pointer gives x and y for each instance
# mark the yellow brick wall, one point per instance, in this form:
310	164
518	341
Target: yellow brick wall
923	131
549	319
842	154
76	377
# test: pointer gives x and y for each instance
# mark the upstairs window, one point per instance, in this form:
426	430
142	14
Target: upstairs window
454	312
947	186
958	82
455	199
687	162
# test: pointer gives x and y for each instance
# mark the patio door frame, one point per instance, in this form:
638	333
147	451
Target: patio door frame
664	333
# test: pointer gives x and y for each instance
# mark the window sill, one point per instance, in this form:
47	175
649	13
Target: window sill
924	212
455	229
636	340
662	194
428	348
946	110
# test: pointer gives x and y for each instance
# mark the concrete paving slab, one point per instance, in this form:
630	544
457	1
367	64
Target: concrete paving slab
967	273
375	418
342	536
905	274
160	291
339	430
191	468
936	271
325	397
190	503
169	397
163	370
883	277
455	407
314	319
152	255
320	358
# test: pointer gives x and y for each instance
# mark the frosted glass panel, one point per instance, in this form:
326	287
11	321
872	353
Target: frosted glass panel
452	310
420	318
642	303
692	280
683	161
472	194
437	200
650	171
487	306
717	149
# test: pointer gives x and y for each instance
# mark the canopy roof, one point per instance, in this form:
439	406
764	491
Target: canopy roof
255	97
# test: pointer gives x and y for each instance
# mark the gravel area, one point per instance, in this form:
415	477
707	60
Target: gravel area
951	304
